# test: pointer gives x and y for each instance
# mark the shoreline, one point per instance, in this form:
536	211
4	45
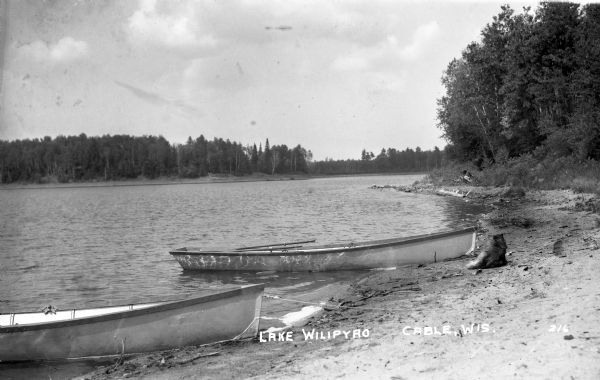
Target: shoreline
153	182
255	177
538	316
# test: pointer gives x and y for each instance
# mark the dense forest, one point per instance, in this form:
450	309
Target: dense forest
83	158
387	161
530	87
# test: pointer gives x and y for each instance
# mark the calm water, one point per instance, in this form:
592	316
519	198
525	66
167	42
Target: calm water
93	246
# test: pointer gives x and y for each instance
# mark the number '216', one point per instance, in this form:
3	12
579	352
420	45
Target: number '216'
558	328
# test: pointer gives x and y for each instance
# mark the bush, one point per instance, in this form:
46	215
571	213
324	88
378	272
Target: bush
528	171
448	174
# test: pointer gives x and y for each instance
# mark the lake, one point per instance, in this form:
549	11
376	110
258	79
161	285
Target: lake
94	246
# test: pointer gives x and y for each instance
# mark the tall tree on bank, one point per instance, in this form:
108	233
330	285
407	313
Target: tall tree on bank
521	88
585	86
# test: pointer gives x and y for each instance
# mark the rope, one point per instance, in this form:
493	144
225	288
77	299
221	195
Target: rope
246	329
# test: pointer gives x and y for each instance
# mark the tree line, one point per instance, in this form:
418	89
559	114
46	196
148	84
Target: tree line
387	161
83	158
104	158
531	86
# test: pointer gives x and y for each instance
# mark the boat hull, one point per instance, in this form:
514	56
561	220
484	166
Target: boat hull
217	317
380	254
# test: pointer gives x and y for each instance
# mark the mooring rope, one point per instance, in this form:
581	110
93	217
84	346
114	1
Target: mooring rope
254	320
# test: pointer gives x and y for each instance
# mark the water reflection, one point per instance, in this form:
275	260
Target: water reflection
460	212
276	282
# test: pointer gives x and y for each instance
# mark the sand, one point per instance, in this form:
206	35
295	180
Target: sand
537	317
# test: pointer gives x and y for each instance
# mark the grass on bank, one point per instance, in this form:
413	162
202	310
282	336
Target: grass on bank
527	172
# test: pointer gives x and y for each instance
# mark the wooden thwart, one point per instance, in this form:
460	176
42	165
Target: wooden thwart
276	245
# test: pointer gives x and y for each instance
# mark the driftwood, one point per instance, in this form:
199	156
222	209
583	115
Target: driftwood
455	193
198	357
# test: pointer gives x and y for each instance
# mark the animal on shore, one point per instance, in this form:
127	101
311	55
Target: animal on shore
493	255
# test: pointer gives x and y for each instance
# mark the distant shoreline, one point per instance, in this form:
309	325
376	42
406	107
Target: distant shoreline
190	181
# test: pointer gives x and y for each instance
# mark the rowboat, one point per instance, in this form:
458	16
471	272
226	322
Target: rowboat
117	330
296	257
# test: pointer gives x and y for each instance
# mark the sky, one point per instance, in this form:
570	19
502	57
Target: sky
336	77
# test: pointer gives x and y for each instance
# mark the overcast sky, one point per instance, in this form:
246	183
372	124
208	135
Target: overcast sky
333	76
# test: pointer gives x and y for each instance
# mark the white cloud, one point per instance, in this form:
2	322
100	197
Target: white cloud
170	24
207	24
382	66
387	82
388	53
350	63
421	39
65	50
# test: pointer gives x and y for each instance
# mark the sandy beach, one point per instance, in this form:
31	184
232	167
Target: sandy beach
537	317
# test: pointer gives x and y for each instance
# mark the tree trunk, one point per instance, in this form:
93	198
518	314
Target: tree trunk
485	135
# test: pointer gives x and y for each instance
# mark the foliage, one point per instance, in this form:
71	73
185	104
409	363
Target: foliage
549	173
387	161
83	158
447	174
526	171
531	86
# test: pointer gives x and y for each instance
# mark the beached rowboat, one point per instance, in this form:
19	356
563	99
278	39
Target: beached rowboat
295	257
68	334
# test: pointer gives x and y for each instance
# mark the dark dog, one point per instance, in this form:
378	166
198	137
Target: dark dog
494	254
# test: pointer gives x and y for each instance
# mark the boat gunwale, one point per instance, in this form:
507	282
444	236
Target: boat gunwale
169	305
326	249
